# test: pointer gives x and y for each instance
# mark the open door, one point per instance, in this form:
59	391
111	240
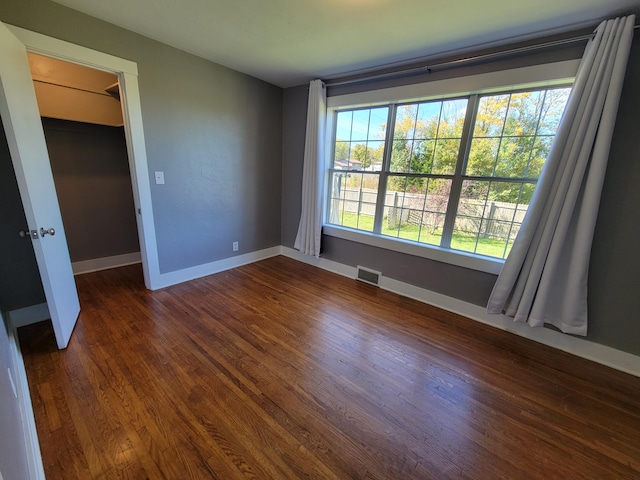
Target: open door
23	128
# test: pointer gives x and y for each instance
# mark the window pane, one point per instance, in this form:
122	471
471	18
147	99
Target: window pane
491	116
427	137
360	138
406	122
377	123
428	117
554	104
541	149
446	156
422	156
357	152
489	216
482	156
513	133
400	153
375	155
415	208
361	156
360	125
523	113
353	199
343	125
452	121
513	156
341	153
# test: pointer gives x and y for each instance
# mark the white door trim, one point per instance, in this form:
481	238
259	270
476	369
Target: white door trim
31	443
127	72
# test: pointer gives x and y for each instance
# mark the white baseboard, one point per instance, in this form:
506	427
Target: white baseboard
173	278
32	447
104	263
28	315
602	354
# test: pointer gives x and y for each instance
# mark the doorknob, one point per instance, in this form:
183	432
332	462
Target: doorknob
44	232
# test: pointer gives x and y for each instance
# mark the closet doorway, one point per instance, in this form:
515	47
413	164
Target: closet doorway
84	130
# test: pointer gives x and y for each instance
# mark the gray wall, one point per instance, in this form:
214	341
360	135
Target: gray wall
91	173
294	126
13	461
215	133
614	273
20	284
614	302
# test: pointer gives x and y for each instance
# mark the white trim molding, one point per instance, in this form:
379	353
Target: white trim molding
32	447
199	271
69	52
104	263
28	315
611	357
445	255
127	72
525	77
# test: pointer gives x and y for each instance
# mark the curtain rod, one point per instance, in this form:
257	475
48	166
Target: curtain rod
461	62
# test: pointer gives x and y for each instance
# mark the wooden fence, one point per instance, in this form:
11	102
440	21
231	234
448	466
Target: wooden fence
499	220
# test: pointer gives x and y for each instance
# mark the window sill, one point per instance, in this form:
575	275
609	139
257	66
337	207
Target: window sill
453	257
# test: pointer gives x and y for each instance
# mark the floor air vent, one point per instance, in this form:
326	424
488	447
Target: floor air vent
368	276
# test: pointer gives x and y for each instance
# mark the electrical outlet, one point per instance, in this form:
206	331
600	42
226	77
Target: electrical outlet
235	246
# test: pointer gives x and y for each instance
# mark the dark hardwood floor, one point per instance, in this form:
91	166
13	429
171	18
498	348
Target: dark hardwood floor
281	370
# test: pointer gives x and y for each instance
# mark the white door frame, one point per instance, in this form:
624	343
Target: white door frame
127	73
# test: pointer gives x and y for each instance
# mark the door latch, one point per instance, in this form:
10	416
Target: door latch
28	234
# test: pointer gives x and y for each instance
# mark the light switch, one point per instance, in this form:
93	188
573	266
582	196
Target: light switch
159	178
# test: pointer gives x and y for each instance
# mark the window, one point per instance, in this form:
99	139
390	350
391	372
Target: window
454	173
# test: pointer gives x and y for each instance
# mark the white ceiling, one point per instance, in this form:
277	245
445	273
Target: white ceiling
289	42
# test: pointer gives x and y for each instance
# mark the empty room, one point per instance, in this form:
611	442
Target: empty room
355	239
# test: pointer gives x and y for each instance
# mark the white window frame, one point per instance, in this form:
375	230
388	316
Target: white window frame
532	77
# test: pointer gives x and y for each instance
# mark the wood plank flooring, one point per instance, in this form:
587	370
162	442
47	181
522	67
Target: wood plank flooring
279	370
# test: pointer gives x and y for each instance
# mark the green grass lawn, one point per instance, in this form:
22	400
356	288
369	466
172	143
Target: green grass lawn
466	243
